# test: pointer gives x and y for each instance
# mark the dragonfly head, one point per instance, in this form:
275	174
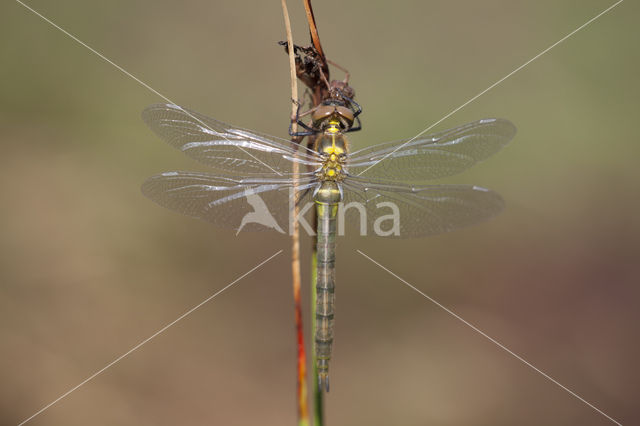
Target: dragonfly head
332	117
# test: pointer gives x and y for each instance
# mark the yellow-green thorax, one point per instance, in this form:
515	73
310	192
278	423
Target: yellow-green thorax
332	146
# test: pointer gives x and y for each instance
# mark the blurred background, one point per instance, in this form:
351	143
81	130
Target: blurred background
89	267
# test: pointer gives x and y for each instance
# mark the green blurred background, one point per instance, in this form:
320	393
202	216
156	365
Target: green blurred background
89	267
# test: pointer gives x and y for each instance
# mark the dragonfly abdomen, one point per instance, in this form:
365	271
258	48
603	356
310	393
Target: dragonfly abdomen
327	200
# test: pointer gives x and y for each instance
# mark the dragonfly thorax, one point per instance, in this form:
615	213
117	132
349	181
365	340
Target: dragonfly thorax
332	147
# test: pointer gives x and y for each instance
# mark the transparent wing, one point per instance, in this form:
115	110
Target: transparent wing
438	155
417	211
251	204
224	147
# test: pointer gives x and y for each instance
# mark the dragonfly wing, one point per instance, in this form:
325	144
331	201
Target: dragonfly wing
405	211
224	147
250	204
435	156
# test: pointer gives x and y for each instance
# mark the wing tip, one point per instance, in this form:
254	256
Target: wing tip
148	111
510	128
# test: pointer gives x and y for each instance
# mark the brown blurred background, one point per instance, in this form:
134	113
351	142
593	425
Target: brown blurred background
89	267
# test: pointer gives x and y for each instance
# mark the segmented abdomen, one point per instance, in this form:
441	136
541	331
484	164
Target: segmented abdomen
325	286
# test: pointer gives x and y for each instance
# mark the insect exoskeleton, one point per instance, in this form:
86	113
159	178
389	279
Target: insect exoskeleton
326	115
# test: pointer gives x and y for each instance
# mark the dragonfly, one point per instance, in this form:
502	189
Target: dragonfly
258	176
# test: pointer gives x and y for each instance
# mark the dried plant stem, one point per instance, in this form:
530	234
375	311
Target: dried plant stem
313	28
303	411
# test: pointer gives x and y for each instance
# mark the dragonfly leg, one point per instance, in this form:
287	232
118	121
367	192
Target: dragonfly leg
357	109
357	127
309	130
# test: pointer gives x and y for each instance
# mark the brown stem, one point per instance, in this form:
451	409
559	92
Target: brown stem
313	29
303	411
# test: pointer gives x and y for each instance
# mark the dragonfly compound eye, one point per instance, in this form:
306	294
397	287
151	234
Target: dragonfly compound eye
346	116
321	114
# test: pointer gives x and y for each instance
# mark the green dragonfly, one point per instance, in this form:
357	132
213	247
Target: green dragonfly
261	179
